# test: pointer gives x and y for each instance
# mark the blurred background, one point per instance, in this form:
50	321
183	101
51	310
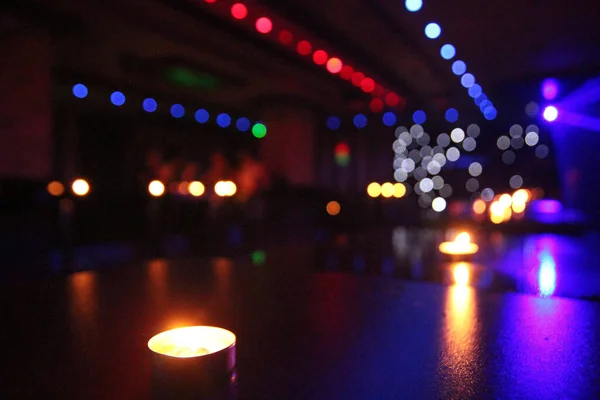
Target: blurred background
367	132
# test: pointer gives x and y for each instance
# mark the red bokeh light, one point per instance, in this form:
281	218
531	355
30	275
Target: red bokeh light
379	91
264	25
392	99
341	149
210	1
376	105
357	78
239	11
286	37
346	72
304	48
320	57
334	65
367	85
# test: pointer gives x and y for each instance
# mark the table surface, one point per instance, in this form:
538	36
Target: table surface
301	334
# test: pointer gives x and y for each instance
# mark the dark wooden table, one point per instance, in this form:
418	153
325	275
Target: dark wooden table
301	335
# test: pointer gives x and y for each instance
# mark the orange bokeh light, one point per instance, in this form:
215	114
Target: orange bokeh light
334	65
56	188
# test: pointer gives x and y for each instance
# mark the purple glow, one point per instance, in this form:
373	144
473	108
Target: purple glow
550	89
550	113
546	206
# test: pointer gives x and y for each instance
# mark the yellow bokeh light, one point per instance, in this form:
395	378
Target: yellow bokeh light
463	238
505	200
80	187
374	189
225	188
518	208
479	206
387	190
156	188
333	208
460	246
461	274
191	341
520	196
399	190
56	188
196	188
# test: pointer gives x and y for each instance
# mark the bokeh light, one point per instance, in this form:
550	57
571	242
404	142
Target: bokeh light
156	188
367	85
117	98
259	130
413	5
457	135
433	30
447	52
374	189
223	120
475	90
459	67
225	188
196	188
532	109
438	204
177	111
333	123
550	89
149	105
202	116
333	208
239	11
286	37
550	113
419	117
360	121
80	91
304	48
55	188
399	190
542	151
467	80
451	115
243	124
80	187
479	206
334	65
389	118
264	25
387	190
320	57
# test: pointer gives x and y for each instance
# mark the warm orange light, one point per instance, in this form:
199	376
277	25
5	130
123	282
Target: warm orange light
182	188
505	200
374	189
80	187
225	188
520	196
461	274
460	246
156	188
399	190
387	190
334	65
479	206
56	188
518	208
333	208
191	341
498	210
196	188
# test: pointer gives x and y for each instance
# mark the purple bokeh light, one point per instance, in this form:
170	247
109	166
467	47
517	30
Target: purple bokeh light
550	89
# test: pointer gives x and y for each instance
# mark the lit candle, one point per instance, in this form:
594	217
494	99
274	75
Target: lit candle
193	362
461	246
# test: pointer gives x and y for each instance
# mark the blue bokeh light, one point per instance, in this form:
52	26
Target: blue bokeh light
202	116
452	115
117	98
479	99
413	5
389	118
490	113
223	120
334	123
177	111
149	105
475	90
360	121
433	30
485	104
467	80
80	91
447	52
243	124
459	67
419	117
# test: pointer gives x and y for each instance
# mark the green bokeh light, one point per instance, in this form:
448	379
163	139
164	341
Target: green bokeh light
259	130
259	257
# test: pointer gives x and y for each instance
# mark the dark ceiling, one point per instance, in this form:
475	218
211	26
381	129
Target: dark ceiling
195	51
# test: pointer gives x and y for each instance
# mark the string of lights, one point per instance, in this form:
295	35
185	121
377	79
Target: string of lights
178	111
